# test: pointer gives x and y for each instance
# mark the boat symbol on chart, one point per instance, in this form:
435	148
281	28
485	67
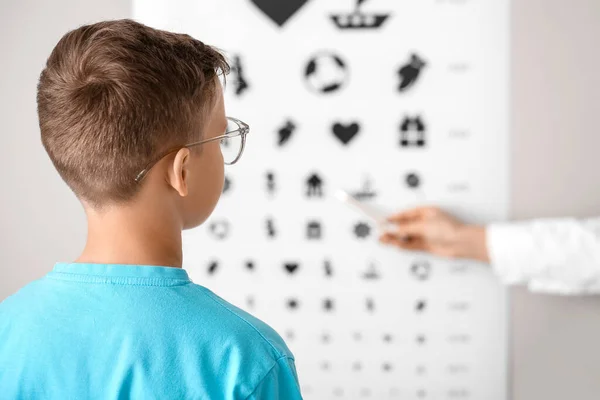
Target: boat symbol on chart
358	19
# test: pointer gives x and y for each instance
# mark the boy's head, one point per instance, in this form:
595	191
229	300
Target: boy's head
114	97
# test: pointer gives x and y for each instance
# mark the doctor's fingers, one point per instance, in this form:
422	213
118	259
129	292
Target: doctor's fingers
414	214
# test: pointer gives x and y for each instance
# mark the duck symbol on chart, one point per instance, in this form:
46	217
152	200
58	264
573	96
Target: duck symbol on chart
240	82
409	73
314	186
286	132
279	11
358	19
345	133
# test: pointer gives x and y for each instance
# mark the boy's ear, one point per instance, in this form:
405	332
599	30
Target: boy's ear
179	172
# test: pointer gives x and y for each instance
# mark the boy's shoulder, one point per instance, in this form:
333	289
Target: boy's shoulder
248	327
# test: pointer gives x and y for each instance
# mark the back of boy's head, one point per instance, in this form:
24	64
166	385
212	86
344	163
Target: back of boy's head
114	95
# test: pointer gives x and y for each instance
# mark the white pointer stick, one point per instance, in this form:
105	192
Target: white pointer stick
348	199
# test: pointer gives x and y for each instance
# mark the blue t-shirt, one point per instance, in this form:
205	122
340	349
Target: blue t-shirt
94	331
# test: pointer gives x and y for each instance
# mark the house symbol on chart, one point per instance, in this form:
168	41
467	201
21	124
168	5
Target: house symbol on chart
412	132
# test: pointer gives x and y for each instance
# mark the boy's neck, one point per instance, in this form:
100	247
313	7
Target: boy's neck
130	235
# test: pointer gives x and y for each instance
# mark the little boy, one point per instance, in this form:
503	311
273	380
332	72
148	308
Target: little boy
133	120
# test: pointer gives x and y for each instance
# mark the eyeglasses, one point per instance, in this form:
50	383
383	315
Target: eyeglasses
232	142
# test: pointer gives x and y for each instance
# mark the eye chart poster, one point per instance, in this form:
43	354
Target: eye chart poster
401	103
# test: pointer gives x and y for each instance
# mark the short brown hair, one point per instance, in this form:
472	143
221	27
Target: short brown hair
115	94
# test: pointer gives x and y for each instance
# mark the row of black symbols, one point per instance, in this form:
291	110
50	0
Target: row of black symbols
420	270
314	184
221	229
420	370
457	393
412	132
389	339
281	11
327	72
328	305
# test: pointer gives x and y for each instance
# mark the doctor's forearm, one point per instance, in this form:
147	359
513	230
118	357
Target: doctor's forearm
471	243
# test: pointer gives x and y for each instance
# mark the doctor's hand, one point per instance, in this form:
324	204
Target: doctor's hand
432	230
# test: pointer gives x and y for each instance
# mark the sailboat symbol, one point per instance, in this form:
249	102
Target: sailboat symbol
359	20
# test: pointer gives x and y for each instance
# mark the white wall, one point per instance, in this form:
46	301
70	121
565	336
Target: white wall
556	96
41	222
555	171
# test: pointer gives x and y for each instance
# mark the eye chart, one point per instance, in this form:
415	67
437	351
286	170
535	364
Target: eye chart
401	103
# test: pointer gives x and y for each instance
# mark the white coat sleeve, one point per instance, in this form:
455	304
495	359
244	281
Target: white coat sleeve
548	255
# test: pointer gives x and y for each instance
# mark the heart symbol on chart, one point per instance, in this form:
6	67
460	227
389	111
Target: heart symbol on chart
291	267
279	10
345	133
